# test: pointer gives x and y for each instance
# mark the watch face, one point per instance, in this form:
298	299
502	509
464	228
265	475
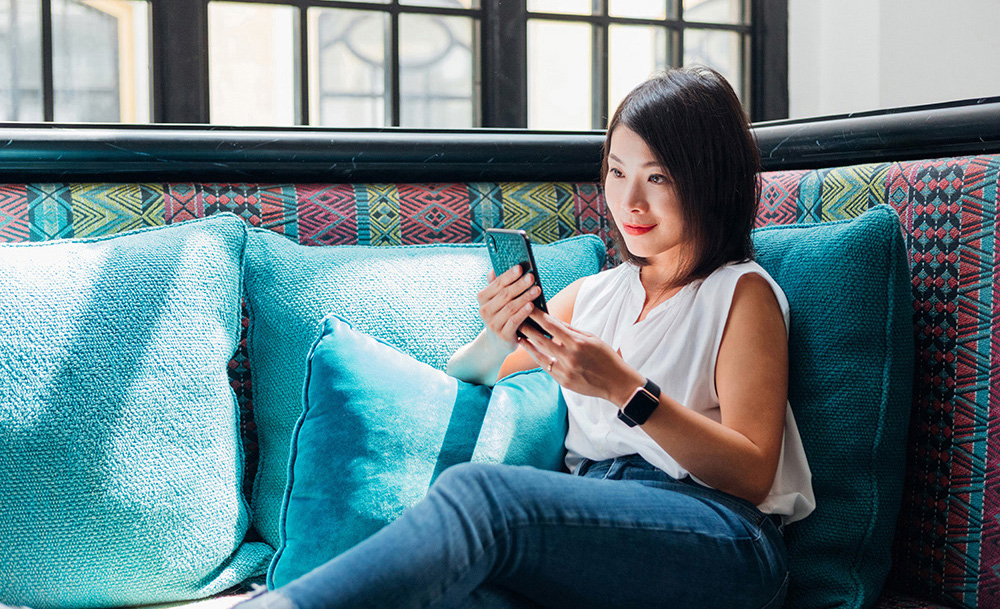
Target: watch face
640	407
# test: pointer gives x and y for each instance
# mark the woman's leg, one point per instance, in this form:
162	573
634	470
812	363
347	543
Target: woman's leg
633	537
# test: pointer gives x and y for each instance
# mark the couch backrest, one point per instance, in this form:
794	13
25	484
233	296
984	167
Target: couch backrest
948	538
948	530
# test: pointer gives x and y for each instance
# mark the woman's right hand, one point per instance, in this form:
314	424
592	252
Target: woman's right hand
505	302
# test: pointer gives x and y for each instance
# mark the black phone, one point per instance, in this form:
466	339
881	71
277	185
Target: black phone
509	247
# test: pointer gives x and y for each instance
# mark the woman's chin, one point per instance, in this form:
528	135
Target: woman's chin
639	251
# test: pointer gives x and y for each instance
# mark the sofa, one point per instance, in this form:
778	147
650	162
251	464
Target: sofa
936	169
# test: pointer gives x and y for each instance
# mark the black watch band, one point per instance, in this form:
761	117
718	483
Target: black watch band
641	405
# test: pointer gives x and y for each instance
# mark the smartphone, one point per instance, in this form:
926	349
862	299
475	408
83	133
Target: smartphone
508	248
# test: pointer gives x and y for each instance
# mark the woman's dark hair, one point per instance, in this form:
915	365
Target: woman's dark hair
694	124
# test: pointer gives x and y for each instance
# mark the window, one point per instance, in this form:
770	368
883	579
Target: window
75	60
585	55
457	64
411	63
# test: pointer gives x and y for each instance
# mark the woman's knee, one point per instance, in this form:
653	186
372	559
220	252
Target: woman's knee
493	489
470	478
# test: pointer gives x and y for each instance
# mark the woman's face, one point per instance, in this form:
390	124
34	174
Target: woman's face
643	200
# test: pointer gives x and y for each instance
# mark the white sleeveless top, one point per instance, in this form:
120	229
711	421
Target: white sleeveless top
676	347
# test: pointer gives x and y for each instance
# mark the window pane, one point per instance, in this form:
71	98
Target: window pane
252	63
559	75
100	60
347	77
722	51
20	60
571	7
643	9
714	11
436	85
443	3
636	52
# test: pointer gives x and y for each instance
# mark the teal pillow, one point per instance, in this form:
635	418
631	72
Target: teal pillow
851	375
420	299
379	426
120	454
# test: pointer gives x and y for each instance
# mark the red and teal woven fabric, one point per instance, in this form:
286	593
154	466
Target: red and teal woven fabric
947	545
948	540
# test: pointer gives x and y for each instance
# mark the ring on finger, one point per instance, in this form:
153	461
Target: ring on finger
552	362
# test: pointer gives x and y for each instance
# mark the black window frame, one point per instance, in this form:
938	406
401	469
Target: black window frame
180	77
677	25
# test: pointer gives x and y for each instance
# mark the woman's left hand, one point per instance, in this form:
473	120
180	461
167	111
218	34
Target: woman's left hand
579	361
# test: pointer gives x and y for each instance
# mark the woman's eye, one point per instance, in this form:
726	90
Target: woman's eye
658	178
616	173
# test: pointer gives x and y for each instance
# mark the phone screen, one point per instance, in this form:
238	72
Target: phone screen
508	248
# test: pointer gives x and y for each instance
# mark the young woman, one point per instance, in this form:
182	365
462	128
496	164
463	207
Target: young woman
685	460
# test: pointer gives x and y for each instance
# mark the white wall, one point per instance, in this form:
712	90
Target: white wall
853	55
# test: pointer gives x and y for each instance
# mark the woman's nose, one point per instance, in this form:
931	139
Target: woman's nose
635	198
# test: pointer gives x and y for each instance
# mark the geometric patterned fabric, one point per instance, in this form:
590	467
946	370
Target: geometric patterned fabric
312	214
947	546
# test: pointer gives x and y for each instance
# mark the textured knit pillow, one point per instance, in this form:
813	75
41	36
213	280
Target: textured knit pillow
851	375
379	426
421	299
120	454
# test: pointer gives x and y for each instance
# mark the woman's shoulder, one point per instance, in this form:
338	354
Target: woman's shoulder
751	278
734	270
729	274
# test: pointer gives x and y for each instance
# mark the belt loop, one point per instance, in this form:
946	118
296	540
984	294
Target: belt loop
611	468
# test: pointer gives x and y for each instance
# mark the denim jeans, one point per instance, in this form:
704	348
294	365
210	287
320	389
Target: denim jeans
620	533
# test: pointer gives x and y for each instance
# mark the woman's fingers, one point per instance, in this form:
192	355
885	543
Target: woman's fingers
539	341
505	302
560	331
516	319
505	281
540	358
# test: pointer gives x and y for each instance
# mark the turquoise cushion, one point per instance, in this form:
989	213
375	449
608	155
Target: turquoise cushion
421	299
851	375
120	454
379	426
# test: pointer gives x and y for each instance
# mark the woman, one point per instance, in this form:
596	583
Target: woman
684	455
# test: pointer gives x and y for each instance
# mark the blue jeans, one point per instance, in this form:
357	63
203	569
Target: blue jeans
620	533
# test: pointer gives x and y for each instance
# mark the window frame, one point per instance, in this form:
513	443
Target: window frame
601	20
180	78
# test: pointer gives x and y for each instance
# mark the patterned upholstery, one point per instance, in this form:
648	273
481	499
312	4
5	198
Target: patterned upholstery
948	531
894	600
948	539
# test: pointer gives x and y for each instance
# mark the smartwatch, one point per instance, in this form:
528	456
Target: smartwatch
643	402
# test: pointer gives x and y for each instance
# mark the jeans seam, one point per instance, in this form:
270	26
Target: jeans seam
552	523
752	515
547	523
781	587
481	554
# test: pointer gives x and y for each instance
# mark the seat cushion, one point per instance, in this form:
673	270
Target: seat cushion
377	429
420	299
120	455
850	384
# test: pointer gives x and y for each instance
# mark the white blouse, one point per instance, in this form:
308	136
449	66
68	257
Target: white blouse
676	346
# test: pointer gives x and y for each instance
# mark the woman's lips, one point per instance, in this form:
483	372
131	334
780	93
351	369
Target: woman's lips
637	229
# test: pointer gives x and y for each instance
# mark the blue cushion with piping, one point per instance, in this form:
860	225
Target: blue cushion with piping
377	429
419	298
